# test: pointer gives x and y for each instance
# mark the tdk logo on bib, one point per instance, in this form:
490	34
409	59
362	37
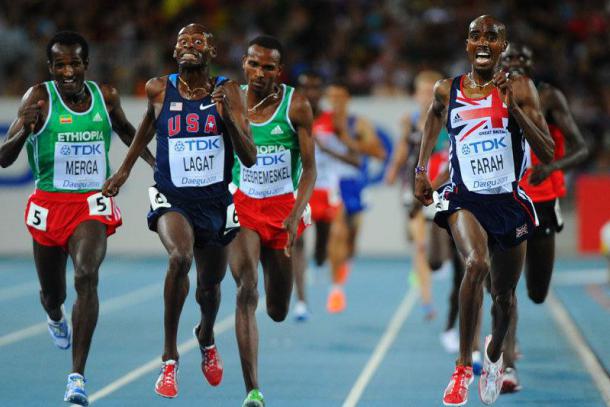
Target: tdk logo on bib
201	144
270	159
81	149
484	146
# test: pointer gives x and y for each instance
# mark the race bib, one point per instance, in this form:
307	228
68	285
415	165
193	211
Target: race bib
270	176
37	217
196	161
157	199
486	161
99	205
232	218
79	165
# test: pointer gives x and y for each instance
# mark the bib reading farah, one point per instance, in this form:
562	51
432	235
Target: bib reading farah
70	152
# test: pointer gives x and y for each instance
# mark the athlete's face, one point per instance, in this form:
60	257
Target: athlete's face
67	68
338	98
423	93
311	87
262	68
486	42
517	59
194	47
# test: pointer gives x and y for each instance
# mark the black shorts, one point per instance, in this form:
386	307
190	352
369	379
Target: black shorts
549	218
213	220
508	218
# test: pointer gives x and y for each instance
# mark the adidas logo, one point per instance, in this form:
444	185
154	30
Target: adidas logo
277	130
97	118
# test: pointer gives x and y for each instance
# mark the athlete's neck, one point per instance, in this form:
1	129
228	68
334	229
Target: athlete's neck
195	78
79	97
257	100
481	78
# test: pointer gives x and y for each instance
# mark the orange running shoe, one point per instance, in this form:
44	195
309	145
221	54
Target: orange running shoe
456	393
166	385
343	272
336	301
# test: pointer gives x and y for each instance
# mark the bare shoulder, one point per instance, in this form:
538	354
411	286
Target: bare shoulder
551	96
442	89
155	87
300	108
35	94
110	93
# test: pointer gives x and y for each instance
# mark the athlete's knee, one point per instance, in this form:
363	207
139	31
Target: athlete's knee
247	295
477	267
505	299
536	294
85	280
180	261
277	311
52	300
207	292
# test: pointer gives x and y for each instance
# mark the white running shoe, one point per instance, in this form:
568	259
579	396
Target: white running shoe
60	331
490	383
510	382
75	390
450	340
300	312
477	363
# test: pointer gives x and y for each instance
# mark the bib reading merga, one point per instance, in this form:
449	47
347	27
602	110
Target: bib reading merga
278	159
70	152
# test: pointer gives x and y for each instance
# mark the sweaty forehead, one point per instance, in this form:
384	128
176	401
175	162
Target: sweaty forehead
485	25
192	29
258	52
59	50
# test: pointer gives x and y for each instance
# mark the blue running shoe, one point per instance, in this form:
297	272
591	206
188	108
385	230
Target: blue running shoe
75	390
300	312
477	363
60	331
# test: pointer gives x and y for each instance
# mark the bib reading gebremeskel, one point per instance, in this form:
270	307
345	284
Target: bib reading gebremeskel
278	159
70	152
194	152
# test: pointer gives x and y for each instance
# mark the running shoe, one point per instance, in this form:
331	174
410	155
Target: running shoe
450	340
477	363
300	312
490	383
254	399
60	331
336	301
510	382
166	385
211	364
75	390
456	393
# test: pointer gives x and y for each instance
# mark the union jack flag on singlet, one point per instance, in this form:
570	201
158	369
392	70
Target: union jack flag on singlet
487	144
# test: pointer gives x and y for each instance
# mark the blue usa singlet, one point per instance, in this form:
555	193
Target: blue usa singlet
487	144
194	151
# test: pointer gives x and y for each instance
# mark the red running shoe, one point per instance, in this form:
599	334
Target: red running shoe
456	393
211	366
166	385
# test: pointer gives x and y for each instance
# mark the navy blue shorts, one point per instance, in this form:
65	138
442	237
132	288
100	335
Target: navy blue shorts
508	218
351	194
550	220
214	221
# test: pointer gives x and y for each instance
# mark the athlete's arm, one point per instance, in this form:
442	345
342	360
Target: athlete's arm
30	118
155	90
121	126
367	141
576	149
231	104
401	153
301	116
524	105
351	157
432	128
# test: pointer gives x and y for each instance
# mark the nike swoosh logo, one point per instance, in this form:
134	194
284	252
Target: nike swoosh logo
202	107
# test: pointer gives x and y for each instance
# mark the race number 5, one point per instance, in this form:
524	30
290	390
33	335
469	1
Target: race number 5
37	217
157	199
99	205
232	219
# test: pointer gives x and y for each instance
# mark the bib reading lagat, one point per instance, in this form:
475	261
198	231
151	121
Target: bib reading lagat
486	160
270	176
79	165
196	161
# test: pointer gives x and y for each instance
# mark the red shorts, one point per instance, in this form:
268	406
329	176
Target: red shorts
265	217
322	207
52	217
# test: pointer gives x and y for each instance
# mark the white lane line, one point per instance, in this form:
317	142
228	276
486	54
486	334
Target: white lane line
580	277
398	319
111	305
154	364
565	322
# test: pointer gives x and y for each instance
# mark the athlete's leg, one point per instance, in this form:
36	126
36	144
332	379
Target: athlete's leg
244	254
321	246
439	245
353	223
458	274
338	250
471	241
51	268
539	266
211	263
87	248
505	272
277	271
417	226
299	265
177	236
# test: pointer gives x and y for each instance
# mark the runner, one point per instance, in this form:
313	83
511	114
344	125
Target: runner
358	141
270	215
544	184
489	117
66	125
199	121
